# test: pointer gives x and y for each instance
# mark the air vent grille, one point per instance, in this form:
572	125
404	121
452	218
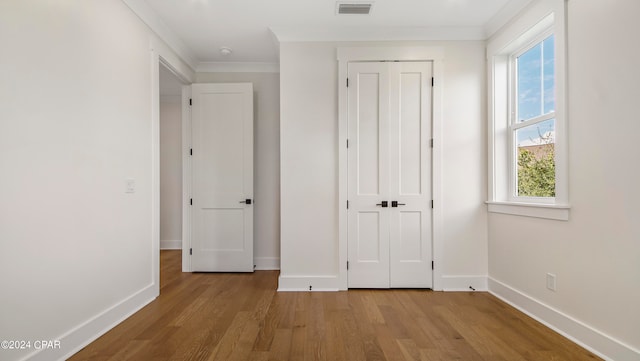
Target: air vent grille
354	8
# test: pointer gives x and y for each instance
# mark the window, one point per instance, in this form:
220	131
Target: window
528	172
532	121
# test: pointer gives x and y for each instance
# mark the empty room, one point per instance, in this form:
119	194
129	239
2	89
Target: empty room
319	180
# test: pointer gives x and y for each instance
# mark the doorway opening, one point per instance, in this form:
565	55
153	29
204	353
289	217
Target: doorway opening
170	163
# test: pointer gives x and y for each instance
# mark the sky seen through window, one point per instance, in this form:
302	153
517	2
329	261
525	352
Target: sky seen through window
536	92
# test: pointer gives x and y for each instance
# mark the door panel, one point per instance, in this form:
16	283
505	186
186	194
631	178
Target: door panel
222	129
368	182
223	230
389	159
369	237
368	133
410	178
370	263
222	177
410	137
410	236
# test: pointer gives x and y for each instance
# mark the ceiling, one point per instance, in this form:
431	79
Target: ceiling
252	28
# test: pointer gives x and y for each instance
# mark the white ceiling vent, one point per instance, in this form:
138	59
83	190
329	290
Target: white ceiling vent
354	8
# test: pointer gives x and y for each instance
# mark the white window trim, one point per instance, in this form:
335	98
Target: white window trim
537	21
546	211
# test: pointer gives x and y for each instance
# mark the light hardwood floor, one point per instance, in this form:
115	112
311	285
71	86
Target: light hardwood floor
241	317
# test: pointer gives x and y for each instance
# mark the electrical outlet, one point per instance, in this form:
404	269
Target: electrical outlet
551	281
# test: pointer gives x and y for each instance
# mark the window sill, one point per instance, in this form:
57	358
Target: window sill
546	211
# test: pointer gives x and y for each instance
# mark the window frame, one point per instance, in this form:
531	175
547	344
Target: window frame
536	23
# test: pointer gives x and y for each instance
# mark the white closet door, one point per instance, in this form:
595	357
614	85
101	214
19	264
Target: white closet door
389	185
222	177
368	184
410	175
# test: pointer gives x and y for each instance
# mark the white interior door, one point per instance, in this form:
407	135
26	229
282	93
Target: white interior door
222	177
410	177
389	160
368	183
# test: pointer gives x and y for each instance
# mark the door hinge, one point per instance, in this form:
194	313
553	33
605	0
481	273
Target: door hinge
347	82
191	201
347	265
190	101
347	204
432	203
347	143
191	151
432	265
431	143
432	81
190	251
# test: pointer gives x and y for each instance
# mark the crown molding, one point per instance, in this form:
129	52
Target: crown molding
153	21
294	34
237	67
504	16
302	34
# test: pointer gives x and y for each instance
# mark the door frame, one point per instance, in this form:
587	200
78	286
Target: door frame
186	178
408	53
162	54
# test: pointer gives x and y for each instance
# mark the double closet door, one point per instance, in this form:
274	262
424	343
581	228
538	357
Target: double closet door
389	175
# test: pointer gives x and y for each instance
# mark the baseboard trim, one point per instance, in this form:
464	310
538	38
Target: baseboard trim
584	335
171	244
267	263
464	283
330	283
302	283
74	340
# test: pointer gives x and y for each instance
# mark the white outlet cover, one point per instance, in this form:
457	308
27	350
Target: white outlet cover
551	281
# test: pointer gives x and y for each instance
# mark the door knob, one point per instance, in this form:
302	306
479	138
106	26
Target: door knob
383	204
395	204
246	201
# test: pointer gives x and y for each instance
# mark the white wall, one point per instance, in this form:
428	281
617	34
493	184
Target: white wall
266	87
75	122
309	159
171	172
596	254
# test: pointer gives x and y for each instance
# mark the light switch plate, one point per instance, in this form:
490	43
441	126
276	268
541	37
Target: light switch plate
131	186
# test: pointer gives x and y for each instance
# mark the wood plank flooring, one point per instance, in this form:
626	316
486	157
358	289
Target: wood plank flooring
241	317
